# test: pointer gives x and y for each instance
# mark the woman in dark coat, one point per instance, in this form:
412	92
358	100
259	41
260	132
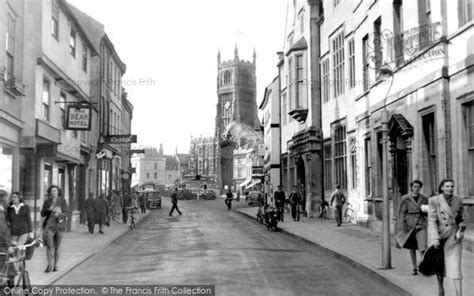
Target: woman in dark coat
19	220
413	222
89	207
445	219
54	211
101	212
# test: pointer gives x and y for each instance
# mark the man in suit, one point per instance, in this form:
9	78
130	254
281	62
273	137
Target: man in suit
174	201
295	201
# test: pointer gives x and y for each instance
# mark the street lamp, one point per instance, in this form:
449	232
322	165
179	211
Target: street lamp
385	73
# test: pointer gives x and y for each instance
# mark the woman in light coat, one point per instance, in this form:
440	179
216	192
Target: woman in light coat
445	218
413	222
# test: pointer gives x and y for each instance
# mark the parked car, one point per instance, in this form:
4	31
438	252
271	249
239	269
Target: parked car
153	199
254	198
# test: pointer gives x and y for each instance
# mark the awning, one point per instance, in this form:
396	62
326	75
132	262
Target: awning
244	183
255	182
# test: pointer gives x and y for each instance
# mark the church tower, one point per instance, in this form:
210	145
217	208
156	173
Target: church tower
236	104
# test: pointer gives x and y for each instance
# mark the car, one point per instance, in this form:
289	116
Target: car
153	199
254	198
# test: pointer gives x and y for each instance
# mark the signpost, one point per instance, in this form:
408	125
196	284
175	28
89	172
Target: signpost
257	172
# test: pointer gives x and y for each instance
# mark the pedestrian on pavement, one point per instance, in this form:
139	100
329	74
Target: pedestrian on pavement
228	199
339	200
19	220
142	201
89	207
54	211
101	212
6	242
412	219
446	230
116	205
295	201
280	199
126	203
174	201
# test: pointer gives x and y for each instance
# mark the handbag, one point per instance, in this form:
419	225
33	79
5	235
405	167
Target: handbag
432	261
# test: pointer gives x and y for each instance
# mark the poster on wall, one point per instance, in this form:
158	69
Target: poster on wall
78	117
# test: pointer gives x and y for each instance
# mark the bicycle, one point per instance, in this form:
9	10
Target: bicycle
9	260
115	215
349	214
132	212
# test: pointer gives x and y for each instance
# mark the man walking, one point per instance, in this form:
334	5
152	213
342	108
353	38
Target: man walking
174	201
89	208
228	199
126	202
339	200
295	201
279	197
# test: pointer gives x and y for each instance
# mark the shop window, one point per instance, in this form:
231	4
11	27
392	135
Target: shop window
368	165
6	168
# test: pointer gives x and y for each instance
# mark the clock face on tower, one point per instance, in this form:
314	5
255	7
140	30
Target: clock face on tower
227	105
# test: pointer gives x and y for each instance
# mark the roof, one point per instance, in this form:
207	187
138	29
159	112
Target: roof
184	158
89	26
299	45
94	31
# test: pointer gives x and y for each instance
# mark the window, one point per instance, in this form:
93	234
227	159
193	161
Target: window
299	80
398	40
62	106
352	79
55	20
340	156
301	16
284	112
290	84
156	166
430	175
46	99
365	62
354	163
72	43
336	2
10	46
338	63
326	81
327	166
148	175
465	11
85	54
378	45
227	78
469	123
156	176
368	166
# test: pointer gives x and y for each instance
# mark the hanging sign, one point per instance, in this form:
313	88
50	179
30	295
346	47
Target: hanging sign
78	117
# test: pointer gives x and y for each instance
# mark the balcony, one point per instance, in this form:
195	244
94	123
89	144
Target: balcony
299	114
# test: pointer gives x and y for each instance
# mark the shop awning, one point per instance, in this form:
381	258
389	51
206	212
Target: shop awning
244	183
254	182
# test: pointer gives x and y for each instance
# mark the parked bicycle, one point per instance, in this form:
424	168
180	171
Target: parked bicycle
133	211
13	265
349	214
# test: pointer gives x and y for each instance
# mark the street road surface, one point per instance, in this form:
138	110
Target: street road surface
210	245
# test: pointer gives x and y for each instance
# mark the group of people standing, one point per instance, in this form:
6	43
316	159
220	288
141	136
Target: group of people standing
436	222
296	199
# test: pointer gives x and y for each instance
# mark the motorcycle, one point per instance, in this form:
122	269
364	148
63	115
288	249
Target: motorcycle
270	219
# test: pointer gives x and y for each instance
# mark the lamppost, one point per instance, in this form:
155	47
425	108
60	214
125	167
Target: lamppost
385	73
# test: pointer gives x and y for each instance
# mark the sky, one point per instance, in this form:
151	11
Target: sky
170	49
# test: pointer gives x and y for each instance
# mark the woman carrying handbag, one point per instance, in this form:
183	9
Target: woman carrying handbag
445	225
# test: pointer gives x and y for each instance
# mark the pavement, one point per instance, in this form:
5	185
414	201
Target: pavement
77	246
362	247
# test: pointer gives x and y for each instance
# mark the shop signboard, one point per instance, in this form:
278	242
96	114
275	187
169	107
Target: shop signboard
257	172
120	139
